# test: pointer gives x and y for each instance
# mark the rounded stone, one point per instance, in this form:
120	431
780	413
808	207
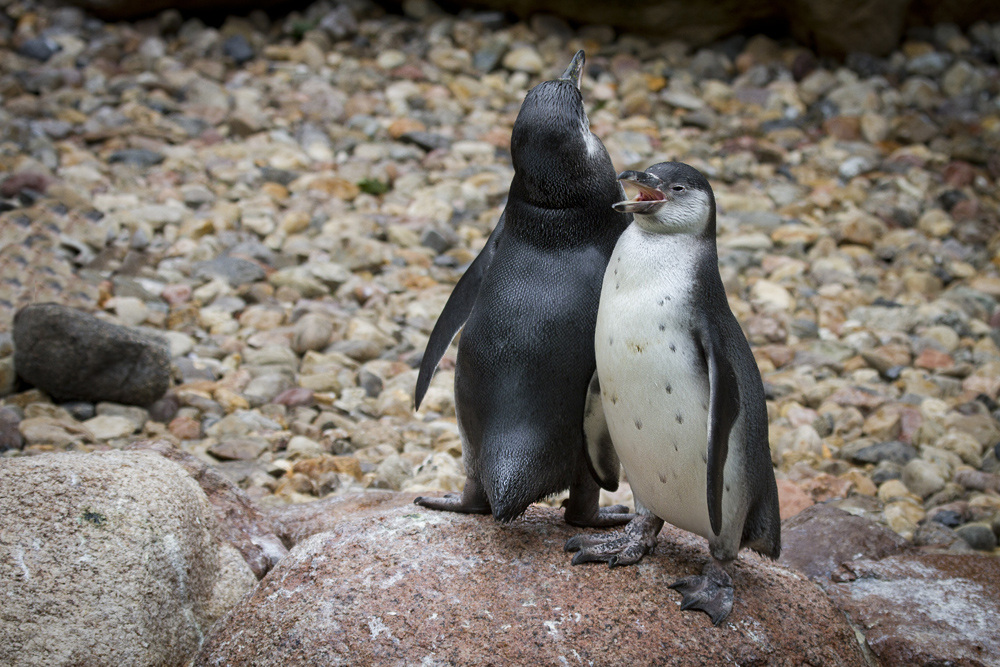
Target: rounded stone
923	477
74	356
979	536
77	526
414	575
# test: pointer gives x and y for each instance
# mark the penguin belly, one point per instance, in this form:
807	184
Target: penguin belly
654	384
656	403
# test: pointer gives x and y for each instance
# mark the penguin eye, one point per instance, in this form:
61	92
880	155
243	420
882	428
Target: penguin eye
678	188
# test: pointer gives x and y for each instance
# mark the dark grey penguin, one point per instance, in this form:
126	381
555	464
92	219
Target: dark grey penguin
681	392
529	304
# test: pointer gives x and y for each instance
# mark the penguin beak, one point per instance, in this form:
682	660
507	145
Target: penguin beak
651	195
574	72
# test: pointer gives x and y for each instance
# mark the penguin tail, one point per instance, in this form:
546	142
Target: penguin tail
508	497
519	472
762	530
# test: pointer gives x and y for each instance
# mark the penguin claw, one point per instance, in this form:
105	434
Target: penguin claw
625	548
710	592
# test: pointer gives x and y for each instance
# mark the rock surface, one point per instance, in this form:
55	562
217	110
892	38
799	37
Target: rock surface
913	606
108	559
72	355
395	584
926	609
819	540
240	522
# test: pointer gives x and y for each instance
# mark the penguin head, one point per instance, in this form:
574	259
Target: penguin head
672	198
551	146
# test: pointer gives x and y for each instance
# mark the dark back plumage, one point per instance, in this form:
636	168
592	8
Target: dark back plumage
526	354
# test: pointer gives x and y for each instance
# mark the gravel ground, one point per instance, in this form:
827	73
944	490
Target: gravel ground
289	202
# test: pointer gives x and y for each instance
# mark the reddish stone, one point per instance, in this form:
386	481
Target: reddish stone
958	174
408	71
933	360
240	522
791	499
780	355
296	397
967	209
925	608
395	584
910	420
859	397
176	294
15	183
980	481
820	539
825	487
497	136
185	428
844	128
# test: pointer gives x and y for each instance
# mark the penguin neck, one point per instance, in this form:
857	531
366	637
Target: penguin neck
561	223
703	229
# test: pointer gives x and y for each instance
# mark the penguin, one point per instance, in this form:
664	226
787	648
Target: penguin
681	393
527	307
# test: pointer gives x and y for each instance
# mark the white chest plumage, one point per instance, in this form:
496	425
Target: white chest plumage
653	382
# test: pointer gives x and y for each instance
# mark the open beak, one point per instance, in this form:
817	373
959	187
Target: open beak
574	72
650	196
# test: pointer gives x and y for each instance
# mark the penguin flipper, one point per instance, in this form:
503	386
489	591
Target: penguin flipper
601	456
723	408
455	313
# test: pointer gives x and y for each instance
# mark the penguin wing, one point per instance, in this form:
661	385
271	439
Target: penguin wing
601	455
455	313
723	408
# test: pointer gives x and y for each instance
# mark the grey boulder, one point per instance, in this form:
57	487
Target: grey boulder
73	356
109	559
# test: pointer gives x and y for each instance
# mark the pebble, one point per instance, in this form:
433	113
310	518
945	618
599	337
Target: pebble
892	451
523	59
139	157
979	536
38	48
238	48
922	477
109	427
290	208
238	449
312	332
302	447
10	436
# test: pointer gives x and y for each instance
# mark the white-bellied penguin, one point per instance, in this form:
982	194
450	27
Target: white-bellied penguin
682	395
528	304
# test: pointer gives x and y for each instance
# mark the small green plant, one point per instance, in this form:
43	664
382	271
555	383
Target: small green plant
373	186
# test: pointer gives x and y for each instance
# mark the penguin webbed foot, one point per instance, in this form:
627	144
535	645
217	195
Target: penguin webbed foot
451	502
471	501
601	517
710	592
617	549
